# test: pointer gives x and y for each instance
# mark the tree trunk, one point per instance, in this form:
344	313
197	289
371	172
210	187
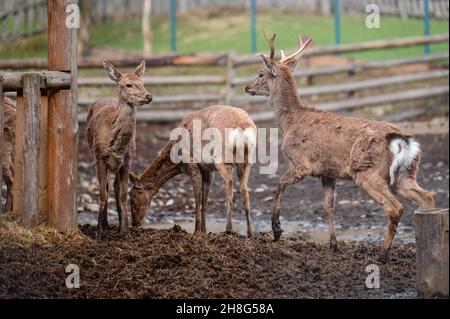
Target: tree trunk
147	27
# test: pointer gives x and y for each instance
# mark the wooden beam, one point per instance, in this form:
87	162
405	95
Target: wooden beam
18	184
62	121
357	67
43	154
432	253
167	99
216	59
386	98
354	47
373	83
30	153
56	80
181	80
354	86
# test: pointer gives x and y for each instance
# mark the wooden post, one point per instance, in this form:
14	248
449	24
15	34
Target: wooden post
230	77
62	121
147	27
432	253
18	187
31	117
43	154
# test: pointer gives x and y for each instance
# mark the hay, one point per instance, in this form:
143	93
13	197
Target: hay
12	232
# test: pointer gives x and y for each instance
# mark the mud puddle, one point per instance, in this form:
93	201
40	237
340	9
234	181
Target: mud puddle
314	232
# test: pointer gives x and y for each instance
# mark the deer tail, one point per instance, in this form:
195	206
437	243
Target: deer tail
404	151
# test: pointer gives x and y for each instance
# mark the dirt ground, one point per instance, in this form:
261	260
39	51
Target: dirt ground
174	264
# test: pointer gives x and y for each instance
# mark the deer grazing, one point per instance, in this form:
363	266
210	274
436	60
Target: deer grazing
111	130
225	119
9	130
378	156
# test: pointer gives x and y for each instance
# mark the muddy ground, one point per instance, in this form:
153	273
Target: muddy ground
174	264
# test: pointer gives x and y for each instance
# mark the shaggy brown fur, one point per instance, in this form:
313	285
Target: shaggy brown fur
201	174
9	130
332	146
111	130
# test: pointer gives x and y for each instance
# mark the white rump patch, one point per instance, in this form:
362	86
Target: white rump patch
238	141
403	154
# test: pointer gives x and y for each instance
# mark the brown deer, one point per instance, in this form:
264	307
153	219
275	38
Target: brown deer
111	130
225	119
378	156
9	130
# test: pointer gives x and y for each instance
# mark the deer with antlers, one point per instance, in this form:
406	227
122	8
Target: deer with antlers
111	130
236	134
378	156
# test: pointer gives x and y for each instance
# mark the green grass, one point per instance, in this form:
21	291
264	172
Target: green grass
206	32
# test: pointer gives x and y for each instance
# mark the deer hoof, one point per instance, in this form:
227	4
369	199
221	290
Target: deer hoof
124	233
334	246
277	234
383	258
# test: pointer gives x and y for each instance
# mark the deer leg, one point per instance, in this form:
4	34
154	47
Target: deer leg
196	178
409	189
102	172
243	175
226	172
378	190
329	184
121	195
291	176
105	212
207	178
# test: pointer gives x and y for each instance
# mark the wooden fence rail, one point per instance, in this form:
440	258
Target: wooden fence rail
354	47
24	20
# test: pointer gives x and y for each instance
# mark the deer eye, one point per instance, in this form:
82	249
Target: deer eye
261	75
129	85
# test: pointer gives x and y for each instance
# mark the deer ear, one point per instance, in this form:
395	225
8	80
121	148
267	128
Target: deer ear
113	73
269	66
292	62
140	69
135	180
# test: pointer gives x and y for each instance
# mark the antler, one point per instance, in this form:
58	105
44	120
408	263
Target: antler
285	58
270	42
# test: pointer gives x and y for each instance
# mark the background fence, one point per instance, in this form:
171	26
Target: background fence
26	17
352	85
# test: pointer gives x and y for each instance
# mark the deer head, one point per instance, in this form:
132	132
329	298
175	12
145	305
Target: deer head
139	200
275	71
131	86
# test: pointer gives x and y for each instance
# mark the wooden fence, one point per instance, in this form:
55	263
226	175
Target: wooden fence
46	134
27	17
229	86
